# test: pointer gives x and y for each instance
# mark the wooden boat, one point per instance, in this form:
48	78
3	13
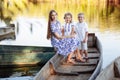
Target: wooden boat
7	32
57	69
18	56
111	72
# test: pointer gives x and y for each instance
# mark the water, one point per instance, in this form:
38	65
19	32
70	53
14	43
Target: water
30	18
18	72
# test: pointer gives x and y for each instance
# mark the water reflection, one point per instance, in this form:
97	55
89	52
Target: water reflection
20	71
13	8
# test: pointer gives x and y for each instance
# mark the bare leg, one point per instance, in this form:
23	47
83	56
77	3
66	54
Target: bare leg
69	60
86	53
81	52
78	56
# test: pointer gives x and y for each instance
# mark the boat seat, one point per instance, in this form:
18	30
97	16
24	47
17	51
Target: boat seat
90	62
92	50
76	69
62	77
91	56
60	72
91	40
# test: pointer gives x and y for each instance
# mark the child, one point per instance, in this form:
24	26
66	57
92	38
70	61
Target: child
69	30
82	33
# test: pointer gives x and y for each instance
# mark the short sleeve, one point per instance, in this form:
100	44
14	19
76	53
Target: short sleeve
76	25
86	27
53	28
63	25
72	24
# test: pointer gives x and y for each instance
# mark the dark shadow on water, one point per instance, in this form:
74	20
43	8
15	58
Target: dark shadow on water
25	54
19	71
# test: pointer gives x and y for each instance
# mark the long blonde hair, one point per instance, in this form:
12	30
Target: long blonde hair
49	33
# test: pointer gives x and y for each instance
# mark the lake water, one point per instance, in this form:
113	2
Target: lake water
30	19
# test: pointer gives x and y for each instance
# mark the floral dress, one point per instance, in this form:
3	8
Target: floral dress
67	31
63	46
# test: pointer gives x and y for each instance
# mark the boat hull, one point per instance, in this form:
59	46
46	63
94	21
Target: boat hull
16	56
57	69
111	72
7	32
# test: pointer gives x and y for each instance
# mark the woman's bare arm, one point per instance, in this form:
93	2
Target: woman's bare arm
57	35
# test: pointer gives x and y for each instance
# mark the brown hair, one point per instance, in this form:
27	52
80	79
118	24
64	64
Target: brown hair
68	14
49	22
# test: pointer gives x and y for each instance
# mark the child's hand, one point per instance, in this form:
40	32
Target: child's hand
84	41
73	35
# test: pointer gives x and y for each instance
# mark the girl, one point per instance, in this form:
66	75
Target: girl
69	30
58	41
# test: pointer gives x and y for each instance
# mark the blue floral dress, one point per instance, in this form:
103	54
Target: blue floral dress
63	46
67	31
55	27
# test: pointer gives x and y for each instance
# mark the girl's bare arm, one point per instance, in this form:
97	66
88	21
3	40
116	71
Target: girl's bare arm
73	31
62	30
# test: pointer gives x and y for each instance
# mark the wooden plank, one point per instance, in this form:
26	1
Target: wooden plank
92	50
66	73
90	62
60	72
91	40
115	78
78	69
91	56
61	77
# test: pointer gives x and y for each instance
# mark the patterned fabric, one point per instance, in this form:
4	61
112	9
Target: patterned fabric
55	28
63	46
73	41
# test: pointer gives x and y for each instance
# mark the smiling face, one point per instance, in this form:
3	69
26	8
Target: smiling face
53	16
68	19
80	18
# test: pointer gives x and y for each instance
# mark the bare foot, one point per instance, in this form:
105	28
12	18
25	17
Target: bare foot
80	60
86	58
70	61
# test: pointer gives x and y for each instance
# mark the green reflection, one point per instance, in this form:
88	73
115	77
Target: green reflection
102	14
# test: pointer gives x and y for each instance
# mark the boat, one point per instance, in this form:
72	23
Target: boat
111	72
7	32
19	56
57	69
